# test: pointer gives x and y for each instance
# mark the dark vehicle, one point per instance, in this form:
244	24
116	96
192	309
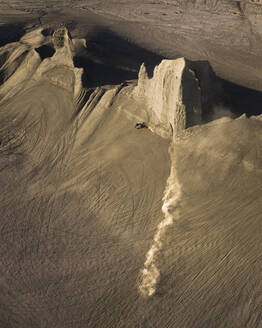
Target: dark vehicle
140	125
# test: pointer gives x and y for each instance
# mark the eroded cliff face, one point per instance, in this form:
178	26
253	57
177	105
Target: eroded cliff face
170	100
23	66
172	96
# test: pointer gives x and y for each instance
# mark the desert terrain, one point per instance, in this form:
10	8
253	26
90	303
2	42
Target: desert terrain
130	164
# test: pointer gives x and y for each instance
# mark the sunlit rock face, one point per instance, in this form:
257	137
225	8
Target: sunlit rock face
23	66
35	85
172	96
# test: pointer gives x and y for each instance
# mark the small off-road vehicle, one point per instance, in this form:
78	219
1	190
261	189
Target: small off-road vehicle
140	125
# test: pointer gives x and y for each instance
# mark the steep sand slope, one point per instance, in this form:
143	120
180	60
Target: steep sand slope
81	203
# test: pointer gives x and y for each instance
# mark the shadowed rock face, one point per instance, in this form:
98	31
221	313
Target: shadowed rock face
59	37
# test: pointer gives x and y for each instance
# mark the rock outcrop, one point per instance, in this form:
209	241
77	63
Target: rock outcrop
170	101
23	66
172	97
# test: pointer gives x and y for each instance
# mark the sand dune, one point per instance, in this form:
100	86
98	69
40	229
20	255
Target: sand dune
88	201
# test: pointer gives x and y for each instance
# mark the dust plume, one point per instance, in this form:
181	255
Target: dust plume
150	274
220	112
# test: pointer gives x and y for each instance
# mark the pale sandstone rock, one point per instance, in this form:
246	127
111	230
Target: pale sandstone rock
172	97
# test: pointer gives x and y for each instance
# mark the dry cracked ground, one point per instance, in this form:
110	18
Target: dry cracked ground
130	164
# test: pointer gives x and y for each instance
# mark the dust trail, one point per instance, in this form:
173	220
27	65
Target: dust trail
150	274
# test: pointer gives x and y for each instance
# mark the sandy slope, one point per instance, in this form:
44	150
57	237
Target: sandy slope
81	201
76	196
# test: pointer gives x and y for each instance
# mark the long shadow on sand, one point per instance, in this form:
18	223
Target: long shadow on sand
11	33
242	100
223	98
110	59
